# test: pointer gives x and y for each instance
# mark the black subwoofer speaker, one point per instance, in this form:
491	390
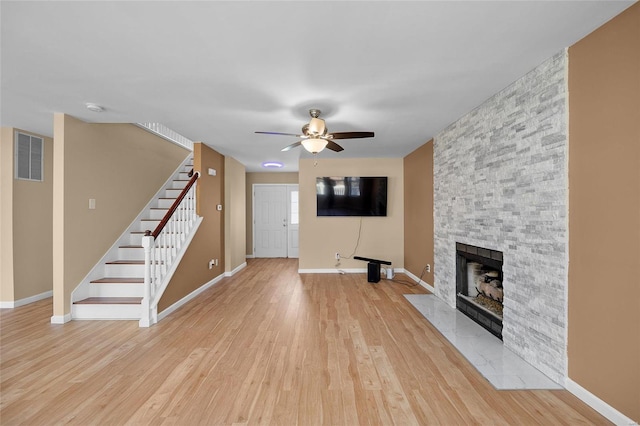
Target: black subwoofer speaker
373	272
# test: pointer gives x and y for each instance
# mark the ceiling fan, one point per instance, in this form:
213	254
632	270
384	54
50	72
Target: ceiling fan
315	136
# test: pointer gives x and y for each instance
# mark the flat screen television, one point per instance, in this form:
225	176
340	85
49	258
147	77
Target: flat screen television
351	196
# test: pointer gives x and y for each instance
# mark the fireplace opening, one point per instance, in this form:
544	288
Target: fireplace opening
479	286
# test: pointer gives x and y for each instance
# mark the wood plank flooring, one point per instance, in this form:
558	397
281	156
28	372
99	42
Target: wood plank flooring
267	346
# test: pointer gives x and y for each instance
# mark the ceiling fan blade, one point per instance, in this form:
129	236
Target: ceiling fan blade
351	135
283	134
293	145
334	146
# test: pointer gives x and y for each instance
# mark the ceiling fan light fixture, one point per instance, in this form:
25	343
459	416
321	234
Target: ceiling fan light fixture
315	136
314	145
317	127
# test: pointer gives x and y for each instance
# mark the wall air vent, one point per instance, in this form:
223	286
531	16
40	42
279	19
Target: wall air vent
29	156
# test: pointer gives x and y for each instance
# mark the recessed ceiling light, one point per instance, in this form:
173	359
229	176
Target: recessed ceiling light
94	107
272	165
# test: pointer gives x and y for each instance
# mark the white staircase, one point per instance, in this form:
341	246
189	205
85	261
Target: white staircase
114	289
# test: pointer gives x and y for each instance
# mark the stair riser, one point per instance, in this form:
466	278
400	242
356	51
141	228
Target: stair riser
157	214
117	290
178	184
184	175
133	253
150	225
124	271
112	312
172	193
135	239
165	203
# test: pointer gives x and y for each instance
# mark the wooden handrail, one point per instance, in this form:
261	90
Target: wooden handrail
174	206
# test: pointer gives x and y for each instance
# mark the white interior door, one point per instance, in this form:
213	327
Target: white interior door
270	220
293	221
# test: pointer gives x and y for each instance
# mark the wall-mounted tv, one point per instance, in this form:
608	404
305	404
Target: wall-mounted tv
351	196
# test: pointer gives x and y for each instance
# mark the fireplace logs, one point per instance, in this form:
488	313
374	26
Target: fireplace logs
489	286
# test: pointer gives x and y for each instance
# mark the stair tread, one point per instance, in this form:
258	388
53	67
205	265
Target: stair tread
110	280
125	262
110	301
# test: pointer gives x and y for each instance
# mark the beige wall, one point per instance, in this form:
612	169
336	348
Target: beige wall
6	215
208	242
604	213
418	212
235	211
32	231
321	237
26	225
261	177
121	166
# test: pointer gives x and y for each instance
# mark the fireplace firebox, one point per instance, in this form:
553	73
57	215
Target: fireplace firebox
479	286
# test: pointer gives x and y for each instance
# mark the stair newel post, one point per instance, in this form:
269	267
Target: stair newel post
147	244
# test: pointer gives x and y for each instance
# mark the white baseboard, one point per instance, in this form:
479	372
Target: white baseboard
419	281
249	256
597	404
332	271
236	270
61	319
26	300
188	297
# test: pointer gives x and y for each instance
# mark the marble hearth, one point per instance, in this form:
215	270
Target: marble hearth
498	364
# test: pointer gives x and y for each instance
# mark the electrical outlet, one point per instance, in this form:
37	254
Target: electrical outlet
211	263
337	256
428	267
216	262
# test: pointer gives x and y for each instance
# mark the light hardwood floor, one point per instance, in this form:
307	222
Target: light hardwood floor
267	346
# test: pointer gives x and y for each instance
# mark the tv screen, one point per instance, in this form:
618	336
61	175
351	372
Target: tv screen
352	196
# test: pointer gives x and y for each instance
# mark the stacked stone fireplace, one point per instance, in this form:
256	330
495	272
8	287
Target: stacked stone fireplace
500	183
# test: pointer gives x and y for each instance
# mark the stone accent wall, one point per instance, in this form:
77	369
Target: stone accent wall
500	182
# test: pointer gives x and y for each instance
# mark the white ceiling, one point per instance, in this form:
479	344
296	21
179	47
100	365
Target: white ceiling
218	71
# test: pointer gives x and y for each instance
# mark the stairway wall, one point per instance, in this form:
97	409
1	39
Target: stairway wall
208	242
121	166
